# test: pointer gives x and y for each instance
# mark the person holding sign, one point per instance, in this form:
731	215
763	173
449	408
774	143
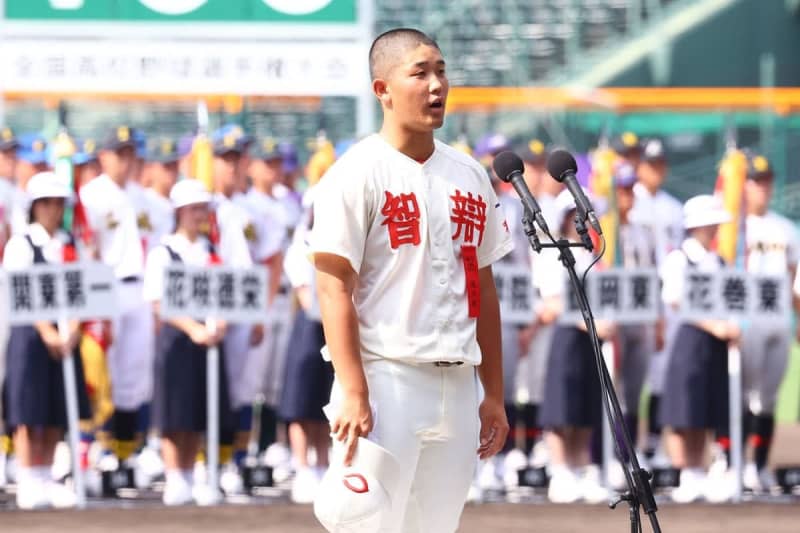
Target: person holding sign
695	396
405	232
34	382
571	403
179	403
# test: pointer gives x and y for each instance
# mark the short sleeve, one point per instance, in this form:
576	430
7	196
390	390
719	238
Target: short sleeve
18	254
672	277
342	216
157	260
497	241
233	246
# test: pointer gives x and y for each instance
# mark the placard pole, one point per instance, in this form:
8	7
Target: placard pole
71	397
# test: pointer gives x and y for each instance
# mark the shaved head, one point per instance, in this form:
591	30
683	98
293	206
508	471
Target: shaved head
389	48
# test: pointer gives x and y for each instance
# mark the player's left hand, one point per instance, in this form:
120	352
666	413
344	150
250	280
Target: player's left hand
494	427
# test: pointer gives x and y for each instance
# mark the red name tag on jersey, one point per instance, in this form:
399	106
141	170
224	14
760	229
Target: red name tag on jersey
469	254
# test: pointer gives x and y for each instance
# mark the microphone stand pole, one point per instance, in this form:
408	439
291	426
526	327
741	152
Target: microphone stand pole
639	493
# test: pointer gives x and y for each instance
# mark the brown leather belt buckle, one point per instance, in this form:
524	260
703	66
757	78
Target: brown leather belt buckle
447	364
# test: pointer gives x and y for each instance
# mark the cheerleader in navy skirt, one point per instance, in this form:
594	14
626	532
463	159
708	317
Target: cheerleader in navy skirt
571	402
308	378
35	406
695	396
179	399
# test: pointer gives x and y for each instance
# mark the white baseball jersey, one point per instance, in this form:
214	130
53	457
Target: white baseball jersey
512	207
296	264
112	217
663	214
416	234
144	214
6	206
291	204
236	232
773	244
20	206
162	217
192	253
274	219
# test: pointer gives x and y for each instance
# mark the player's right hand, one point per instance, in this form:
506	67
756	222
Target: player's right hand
54	344
354	420
201	336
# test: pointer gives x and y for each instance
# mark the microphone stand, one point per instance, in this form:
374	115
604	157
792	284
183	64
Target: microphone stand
640	492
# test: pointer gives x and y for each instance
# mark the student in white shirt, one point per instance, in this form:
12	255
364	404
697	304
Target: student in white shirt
179	403
695	398
34	387
405	232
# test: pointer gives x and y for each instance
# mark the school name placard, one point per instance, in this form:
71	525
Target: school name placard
237	295
81	291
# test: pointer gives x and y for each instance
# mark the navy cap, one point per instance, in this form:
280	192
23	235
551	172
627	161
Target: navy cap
32	148
8	141
237	131
163	150
624	175
85	151
291	160
758	167
654	151
140	140
626	143
267	149
119	138
534	152
224	142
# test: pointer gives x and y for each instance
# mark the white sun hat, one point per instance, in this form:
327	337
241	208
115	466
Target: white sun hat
704	210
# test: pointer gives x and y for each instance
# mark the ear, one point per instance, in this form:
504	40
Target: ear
381	90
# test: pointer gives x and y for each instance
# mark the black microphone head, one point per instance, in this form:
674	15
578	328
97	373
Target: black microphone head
506	163
559	163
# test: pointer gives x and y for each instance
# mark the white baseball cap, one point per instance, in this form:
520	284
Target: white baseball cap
704	210
358	498
48	185
188	192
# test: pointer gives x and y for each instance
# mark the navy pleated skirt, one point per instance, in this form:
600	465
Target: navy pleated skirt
696	384
572	387
179	395
309	378
34	383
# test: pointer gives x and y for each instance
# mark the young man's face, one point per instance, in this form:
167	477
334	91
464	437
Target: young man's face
118	164
8	163
416	89
652	173
226	168
758	194
624	198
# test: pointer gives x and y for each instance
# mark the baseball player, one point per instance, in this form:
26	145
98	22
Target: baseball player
112	215
663	214
86	165
179	403
772	247
268	201
31	159
535	339
35	384
695	398
8	164
239	243
162	173
405	232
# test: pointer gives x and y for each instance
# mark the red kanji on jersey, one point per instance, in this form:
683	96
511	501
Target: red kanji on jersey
402	216
470	215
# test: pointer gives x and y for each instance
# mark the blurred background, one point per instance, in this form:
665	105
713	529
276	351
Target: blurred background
705	77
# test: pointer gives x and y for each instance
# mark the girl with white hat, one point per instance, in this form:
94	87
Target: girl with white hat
570	407
695	396
34	387
179	399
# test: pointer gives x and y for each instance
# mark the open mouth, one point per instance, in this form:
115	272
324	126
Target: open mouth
438	104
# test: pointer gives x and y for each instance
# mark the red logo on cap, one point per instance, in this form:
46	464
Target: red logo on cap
360	488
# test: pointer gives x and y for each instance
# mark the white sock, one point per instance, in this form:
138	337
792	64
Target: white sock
26	474
175	476
188	476
43	473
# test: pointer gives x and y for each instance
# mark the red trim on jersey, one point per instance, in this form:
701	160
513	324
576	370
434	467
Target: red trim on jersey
469	255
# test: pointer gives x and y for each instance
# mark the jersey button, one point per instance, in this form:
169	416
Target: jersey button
442	281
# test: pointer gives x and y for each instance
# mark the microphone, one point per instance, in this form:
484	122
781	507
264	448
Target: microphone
562	166
508	167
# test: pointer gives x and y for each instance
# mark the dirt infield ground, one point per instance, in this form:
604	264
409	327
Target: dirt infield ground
772	518
150	517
